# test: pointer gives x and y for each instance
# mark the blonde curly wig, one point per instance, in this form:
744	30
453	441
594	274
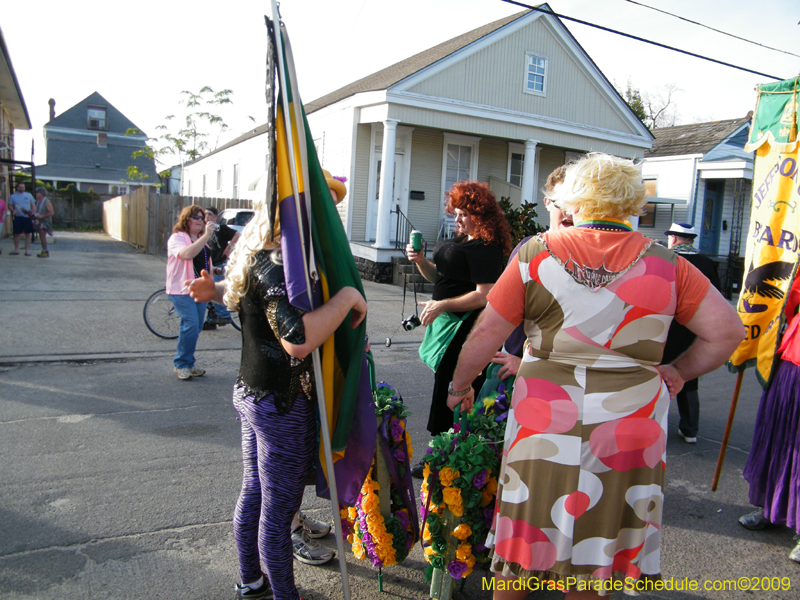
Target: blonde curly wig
601	185
255	236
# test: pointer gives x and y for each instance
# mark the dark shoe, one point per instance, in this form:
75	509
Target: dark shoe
43	254
755	520
262	593
221	320
208	326
13	253
418	469
27	254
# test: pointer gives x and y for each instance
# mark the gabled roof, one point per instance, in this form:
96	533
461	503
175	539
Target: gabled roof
397	72
698	138
10	92
256	131
76	117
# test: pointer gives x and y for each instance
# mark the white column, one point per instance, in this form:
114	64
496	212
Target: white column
528	172
386	193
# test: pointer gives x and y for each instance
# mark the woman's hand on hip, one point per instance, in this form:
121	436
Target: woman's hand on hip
433	308
672	378
202	289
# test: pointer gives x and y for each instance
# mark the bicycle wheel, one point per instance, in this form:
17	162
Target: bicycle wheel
235	320
161	317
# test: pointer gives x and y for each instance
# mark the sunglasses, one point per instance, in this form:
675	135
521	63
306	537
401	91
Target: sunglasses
197	217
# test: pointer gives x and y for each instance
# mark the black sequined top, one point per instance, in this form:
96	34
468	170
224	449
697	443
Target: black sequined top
266	316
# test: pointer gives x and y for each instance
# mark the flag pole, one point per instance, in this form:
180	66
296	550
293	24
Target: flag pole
724	448
323	411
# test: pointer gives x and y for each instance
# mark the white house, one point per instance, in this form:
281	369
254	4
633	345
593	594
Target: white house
505	103
705	167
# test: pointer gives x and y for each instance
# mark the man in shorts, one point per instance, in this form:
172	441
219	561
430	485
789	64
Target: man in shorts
22	206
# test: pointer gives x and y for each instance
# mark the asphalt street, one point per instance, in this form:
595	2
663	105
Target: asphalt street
118	481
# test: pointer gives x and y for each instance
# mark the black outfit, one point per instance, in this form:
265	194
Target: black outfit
201	261
461	264
679	339
219	242
264	310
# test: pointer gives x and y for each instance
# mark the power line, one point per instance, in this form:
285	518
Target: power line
641	39
713	29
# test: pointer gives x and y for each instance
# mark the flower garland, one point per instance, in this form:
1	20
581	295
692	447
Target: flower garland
459	489
385	542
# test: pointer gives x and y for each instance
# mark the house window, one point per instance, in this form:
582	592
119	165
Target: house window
535	74
204	185
235	181
97	118
219	179
516	163
648	219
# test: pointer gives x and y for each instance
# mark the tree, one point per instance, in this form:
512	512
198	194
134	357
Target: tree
200	127
654	109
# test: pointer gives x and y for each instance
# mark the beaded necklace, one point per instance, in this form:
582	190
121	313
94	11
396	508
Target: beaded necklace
205	261
606	224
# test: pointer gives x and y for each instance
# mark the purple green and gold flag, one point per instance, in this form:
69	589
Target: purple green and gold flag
772	240
317	258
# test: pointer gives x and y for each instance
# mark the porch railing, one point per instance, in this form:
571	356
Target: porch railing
403	230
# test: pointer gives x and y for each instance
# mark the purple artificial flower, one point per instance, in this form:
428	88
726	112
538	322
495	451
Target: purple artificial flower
456	427
480	478
377	562
396	430
403	518
479	548
366	538
430	450
422	511
488	513
346	528
457	568
342	178
399	455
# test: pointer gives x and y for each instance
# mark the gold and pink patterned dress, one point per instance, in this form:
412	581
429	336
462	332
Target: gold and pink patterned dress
580	491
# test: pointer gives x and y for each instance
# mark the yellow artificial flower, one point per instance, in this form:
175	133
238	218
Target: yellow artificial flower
488	403
462	532
358	550
350	539
491	485
447	476
369	486
352	513
426	534
429	551
464	551
452	497
457	509
425	489
426	472
343	513
410	447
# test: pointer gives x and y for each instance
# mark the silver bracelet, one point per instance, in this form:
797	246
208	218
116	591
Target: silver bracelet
452	392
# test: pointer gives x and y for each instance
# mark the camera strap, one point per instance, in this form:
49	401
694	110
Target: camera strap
416	305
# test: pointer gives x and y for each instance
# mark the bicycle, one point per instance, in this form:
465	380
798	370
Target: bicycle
163	320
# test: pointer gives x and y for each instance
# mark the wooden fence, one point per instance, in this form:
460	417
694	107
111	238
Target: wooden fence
144	218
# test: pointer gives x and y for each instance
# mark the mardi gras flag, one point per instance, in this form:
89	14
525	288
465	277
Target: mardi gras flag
772	240
317	258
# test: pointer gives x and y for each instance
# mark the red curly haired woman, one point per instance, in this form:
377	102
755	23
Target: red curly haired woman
463	271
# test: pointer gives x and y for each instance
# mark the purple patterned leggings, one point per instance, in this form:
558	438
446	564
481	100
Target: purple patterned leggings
278	453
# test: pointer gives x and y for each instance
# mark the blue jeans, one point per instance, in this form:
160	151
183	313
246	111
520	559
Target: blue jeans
192	314
221	309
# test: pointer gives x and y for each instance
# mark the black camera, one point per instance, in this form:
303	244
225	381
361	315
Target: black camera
411	322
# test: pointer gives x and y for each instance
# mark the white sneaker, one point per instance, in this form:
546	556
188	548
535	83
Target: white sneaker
307	550
795	554
687	438
197	372
183	373
315	529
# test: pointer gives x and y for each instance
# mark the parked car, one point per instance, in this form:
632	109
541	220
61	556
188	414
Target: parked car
235	218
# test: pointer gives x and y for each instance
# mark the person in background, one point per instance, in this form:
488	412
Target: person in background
43	218
510	355
463	271
22	206
773	465
581	494
186	251
3	210
276	401
221	245
680	238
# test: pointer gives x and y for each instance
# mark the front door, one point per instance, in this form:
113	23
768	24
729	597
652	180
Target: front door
398	198
712	217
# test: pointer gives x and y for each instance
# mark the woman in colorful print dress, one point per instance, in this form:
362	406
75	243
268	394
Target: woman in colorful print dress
581	484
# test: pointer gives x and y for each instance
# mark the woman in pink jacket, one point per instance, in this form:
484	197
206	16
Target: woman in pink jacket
187	256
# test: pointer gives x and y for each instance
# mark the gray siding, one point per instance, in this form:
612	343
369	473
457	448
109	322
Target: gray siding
492	159
495	76
427	147
360	185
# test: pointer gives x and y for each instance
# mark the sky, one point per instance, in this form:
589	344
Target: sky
141	56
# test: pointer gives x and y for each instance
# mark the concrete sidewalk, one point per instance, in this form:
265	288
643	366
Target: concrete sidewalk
117	480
